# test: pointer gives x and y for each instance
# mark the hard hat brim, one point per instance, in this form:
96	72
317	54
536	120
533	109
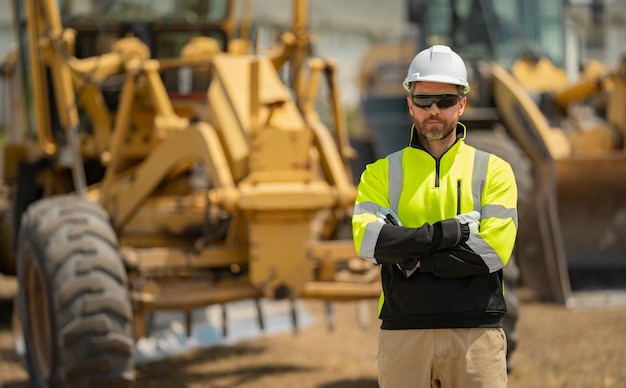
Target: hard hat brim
435	78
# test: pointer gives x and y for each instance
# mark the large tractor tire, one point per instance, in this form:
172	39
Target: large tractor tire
499	143
75	313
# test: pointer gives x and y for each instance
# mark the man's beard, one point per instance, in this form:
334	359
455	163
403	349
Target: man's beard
435	132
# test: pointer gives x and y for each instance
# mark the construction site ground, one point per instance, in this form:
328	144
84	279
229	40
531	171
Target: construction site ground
558	347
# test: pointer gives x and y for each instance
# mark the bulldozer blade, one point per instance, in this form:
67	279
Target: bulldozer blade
572	242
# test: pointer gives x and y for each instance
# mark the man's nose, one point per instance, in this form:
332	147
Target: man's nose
433	109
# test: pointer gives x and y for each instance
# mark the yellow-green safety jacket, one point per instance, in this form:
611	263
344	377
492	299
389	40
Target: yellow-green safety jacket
459	281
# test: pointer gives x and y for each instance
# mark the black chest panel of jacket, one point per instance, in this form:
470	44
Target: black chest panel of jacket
425	301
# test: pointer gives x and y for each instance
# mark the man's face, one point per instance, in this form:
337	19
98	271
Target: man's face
435	123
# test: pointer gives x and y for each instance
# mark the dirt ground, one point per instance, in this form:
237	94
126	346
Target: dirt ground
558	348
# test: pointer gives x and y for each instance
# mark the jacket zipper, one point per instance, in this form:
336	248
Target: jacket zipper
458	197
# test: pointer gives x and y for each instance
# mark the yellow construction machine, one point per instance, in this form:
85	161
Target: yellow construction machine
564	138
159	159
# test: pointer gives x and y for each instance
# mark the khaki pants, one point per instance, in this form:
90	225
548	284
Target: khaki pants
446	358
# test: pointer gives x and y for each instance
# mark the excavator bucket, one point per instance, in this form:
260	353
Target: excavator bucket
572	241
572	237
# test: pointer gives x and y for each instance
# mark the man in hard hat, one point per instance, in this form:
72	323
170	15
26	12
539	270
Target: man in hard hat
440	218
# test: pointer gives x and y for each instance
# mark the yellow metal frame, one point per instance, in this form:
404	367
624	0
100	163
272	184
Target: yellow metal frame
279	174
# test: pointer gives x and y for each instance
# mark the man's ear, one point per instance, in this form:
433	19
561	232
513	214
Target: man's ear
463	104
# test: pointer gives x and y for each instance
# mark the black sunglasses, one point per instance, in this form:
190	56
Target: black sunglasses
443	101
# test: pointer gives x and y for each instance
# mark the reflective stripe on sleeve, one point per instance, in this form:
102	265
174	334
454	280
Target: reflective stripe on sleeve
488	254
395	180
368	245
366	208
499	211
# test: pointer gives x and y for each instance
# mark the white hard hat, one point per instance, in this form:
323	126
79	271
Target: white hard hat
437	64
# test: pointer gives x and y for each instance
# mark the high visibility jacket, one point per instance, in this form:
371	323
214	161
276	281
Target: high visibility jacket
457	284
